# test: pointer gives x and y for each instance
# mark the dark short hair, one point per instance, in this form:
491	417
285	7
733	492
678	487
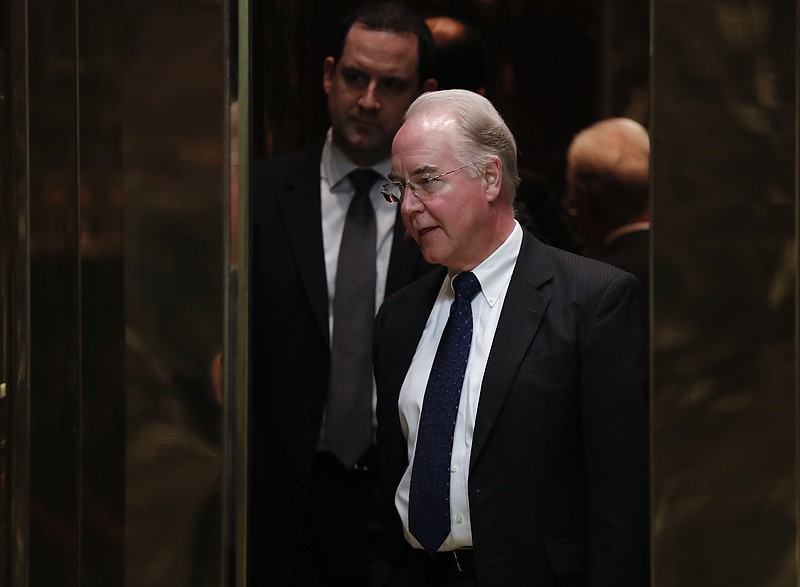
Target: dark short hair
390	16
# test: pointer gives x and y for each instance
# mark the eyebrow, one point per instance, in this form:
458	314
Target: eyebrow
424	169
417	171
355	69
395	80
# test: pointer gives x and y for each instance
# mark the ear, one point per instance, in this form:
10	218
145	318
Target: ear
493	179
430	85
328	67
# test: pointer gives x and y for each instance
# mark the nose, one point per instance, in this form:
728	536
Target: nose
369	99
410	203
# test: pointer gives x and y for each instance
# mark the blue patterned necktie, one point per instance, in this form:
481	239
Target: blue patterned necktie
429	500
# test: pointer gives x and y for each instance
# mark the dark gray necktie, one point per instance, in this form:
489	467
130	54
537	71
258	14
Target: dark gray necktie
348	421
429	499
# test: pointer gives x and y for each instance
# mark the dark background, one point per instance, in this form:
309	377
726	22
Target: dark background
555	68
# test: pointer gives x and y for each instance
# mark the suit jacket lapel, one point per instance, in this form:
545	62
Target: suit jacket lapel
300	205
408	321
522	313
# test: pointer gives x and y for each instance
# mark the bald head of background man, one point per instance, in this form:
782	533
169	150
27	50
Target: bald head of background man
608	194
607	179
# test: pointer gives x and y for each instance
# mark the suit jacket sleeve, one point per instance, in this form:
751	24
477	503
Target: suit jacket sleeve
613	375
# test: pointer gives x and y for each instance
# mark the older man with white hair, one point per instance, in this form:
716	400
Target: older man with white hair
512	399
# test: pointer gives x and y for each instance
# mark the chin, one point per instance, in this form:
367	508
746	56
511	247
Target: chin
365	140
432	258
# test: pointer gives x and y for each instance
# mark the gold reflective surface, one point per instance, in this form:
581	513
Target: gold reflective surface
118	277
724	130
174	176
115	197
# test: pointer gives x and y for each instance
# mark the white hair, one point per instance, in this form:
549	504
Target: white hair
482	133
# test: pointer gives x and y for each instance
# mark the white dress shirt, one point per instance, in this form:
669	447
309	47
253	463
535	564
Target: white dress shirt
336	192
494	274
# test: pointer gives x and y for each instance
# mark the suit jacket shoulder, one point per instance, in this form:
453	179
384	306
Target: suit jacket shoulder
271	178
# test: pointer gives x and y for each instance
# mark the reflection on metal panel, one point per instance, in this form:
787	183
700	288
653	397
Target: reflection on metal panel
101	460
14	243
724	288
174	185
6	216
54	311
114	248
8	247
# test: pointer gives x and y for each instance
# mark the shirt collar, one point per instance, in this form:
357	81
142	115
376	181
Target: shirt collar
495	271
336	165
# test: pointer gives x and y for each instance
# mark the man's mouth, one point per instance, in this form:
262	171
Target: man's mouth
363	122
427	230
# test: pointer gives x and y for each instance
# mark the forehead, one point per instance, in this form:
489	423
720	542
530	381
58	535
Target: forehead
380	52
424	141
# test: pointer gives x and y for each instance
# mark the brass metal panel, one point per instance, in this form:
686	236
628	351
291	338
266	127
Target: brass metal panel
66	482
7	246
13	240
236	496
724	132
14	244
174	184
6	219
54	293
115	260
100	463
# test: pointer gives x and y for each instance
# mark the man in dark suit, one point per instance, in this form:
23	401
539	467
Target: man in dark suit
512	399
312	483
607	197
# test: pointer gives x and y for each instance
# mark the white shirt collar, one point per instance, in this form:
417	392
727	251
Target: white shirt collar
495	271
336	165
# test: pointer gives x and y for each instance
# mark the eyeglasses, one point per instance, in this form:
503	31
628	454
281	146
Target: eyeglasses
422	187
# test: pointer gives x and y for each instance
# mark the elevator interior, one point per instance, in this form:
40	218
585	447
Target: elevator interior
126	134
